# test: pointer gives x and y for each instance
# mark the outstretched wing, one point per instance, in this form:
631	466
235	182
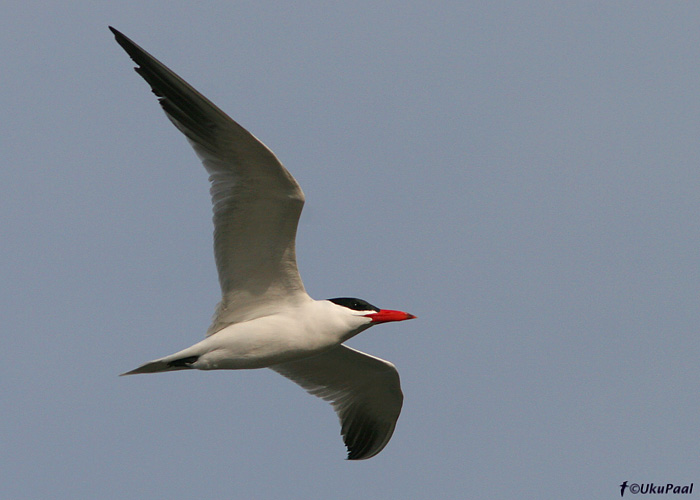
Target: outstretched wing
256	201
364	391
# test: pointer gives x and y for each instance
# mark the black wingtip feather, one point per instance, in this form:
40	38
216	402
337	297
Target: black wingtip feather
190	111
362	437
120	38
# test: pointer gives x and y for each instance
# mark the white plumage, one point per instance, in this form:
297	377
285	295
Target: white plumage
265	317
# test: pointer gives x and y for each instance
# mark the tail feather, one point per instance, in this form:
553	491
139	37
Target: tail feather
164	365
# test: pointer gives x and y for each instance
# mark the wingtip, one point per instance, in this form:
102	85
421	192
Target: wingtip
356	457
128	45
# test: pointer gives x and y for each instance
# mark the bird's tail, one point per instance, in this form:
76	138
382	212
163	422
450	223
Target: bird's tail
167	364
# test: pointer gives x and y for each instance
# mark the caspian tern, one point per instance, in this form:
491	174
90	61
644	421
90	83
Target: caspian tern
265	318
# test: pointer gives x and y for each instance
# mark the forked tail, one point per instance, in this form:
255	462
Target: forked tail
167	364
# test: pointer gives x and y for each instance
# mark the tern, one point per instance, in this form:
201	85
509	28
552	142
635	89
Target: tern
265	318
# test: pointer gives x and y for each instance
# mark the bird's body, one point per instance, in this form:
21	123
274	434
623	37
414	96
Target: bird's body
265	318
300	331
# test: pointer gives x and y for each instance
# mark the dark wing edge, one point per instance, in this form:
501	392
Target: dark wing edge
213	133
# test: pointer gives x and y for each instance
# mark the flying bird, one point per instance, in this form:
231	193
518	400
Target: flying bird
265	318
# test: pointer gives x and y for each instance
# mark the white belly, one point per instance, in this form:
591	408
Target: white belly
264	342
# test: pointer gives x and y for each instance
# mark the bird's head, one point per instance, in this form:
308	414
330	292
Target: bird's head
363	309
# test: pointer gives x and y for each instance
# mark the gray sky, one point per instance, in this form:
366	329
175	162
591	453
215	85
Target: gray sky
524	177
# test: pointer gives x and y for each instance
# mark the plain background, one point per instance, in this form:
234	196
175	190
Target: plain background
522	176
